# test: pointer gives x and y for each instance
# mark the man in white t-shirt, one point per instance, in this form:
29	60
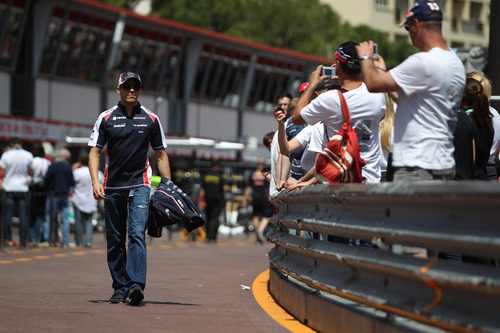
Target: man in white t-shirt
430	86
366	109
17	170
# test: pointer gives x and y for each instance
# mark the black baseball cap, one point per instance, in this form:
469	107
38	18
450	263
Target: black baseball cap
125	76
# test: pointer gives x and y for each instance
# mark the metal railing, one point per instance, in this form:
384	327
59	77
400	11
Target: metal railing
341	283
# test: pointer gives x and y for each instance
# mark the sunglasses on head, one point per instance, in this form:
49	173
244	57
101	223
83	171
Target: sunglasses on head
128	86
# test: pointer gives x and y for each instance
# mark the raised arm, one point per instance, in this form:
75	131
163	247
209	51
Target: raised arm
286	147
375	74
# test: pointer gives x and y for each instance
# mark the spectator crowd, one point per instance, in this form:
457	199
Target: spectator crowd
41	189
425	119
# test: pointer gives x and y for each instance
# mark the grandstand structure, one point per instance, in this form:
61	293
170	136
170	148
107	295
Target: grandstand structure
60	60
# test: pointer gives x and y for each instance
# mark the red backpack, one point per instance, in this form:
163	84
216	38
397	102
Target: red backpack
340	161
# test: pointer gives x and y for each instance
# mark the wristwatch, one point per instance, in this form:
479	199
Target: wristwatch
365	57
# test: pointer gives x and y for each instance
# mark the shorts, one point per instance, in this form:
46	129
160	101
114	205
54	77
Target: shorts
262	209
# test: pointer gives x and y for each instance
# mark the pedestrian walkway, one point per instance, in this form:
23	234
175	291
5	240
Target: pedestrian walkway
192	286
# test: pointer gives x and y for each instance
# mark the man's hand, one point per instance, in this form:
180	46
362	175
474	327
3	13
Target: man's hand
279	115
376	76
297	186
267	175
315	79
290	182
365	48
98	191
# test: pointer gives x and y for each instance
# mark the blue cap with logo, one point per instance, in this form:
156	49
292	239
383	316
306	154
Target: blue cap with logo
424	10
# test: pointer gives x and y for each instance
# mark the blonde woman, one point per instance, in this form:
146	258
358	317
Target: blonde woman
385	132
495	147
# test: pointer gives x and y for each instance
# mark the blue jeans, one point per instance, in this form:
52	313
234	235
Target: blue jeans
60	205
13	199
83	221
35	231
127	269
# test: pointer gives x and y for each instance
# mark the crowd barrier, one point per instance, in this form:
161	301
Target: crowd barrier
399	285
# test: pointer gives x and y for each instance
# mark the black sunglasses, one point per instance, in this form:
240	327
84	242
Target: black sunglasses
408	25
127	86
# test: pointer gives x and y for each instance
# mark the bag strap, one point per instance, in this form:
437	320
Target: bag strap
345	112
345	108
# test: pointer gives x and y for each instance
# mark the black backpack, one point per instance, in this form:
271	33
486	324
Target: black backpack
170	205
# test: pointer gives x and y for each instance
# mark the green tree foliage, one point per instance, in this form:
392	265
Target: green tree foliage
303	26
129	4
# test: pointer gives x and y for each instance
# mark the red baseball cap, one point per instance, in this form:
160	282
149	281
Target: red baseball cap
303	87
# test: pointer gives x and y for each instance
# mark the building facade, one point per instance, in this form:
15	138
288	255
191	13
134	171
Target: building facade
60	60
465	25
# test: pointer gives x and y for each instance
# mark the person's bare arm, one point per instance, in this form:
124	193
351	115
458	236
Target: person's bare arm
315	80
163	163
308	178
375	74
301	184
98	188
286	147
284	170
311	173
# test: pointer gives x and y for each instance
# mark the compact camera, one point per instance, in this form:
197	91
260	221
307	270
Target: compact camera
375	50
329	71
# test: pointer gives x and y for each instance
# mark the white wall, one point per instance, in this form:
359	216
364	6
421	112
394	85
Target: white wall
209	121
4	93
63	101
220	123
256	124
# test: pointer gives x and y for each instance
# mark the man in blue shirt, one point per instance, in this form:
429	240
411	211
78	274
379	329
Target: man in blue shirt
59	180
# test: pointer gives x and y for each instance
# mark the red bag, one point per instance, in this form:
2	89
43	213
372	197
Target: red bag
340	161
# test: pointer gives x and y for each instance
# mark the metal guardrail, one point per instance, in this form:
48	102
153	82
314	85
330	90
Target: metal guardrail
426	293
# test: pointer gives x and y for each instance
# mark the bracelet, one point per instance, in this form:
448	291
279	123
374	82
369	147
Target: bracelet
365	57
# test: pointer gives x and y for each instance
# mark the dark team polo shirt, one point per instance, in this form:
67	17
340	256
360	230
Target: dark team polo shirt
128	140
213	183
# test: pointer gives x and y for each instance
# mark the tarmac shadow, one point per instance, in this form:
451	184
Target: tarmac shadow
101	301
170	303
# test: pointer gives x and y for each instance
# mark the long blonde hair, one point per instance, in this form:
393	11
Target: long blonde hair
484	82
386	125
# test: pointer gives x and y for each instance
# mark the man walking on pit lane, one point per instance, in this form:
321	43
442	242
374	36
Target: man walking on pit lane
430	85
128	129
